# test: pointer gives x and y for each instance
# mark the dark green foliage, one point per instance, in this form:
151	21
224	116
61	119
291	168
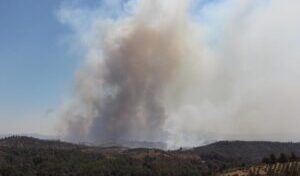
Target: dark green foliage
266	160
293	157
24	156
272	158
248	152
56	162
282	158
31	157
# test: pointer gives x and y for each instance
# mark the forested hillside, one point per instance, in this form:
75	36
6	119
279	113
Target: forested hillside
29	156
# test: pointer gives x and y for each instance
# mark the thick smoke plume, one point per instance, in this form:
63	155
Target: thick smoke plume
124	87
186	71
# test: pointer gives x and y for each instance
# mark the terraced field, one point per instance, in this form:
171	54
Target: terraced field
277	169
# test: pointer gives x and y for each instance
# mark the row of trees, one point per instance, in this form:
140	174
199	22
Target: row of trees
283	158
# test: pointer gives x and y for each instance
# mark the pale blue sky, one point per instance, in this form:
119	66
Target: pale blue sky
36	70
36	65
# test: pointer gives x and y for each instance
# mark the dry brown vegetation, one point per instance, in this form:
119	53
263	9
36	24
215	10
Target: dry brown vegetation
277	169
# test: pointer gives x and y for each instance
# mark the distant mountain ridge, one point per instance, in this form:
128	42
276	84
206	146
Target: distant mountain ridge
248	151
31	142
55	157
135	144
244	151
34	135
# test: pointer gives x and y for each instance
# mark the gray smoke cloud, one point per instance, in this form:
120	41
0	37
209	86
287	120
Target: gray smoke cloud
123	89
185	72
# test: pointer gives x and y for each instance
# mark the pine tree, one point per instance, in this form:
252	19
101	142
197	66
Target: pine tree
282	158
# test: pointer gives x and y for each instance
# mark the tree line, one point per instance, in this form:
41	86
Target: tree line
282	158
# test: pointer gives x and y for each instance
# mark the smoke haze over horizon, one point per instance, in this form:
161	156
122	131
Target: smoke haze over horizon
184	72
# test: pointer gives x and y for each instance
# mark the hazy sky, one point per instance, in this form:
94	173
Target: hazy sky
35	68
245	73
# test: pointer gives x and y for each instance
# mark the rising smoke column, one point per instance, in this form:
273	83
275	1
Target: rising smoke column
152	71
132	68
